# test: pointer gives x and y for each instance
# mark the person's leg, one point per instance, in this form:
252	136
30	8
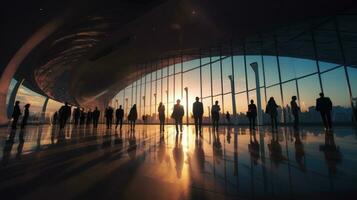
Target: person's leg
323	117
121	122
250	123
176	124
200	124
14	122
253	123
107	121
329	122
196	124
181	125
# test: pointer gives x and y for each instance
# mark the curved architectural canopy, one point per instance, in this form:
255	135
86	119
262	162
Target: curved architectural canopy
102	46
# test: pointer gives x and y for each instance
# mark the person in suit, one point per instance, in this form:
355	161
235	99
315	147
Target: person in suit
272	110
96	115
26	116
119	114
324	106
76	115
64	114
109	116
295	109
133	116
215	115
252	114
197	110
177	114
16	113
161	110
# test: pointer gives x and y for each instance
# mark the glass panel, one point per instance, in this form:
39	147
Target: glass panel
226	71
241	103
289	90
335	86
206	81
271	70
216	78
239	73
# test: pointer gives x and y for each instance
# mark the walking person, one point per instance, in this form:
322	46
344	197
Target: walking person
324	106
55	118
161	110
197	110
228	118
295	109
177	114
252	114
215	115
119	114
132	117
76	115
82	118
109	116
26	116
96	115
272	110
89	117
16	113
64	114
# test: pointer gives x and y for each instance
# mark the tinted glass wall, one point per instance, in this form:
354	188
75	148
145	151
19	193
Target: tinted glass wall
295	61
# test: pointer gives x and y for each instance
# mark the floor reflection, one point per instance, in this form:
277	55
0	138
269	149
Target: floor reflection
233	162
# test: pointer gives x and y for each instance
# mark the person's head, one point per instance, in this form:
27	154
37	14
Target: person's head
251	101
66	103
27	105
293	98
160	104
178	101
120	106
134	106
322	94
227	112
216	102
17	102
271	99
96	108
197	99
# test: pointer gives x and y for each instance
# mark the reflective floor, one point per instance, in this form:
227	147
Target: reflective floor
232	163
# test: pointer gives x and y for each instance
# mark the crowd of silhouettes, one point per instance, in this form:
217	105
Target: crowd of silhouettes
80	117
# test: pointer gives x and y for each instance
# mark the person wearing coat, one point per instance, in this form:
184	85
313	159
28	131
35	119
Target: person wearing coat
272	110
177	115
161	110
133	116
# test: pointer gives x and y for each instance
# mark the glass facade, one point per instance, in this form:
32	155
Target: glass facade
303	65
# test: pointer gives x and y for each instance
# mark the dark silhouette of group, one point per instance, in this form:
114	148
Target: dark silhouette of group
17	113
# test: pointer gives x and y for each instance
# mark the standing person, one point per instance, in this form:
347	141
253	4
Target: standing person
228	118
197	110
132	117
161	111
252	114
96	114
177	114
295	109
215	115
64	114
76	115
15	114
109	116
55	118
272	110
324	106
119	114
26	116
89	116
82	118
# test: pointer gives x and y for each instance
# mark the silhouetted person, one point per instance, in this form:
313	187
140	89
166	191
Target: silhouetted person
64	114
26	116
252	114
295	109
197	110
228	117
324	106
119	114
55	118
15	114
133	116
109	116
89	117
215	115
161	110
76	115
272	110
96	115
177	114
82	118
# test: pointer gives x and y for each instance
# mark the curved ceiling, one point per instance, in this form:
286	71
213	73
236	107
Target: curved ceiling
104	44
